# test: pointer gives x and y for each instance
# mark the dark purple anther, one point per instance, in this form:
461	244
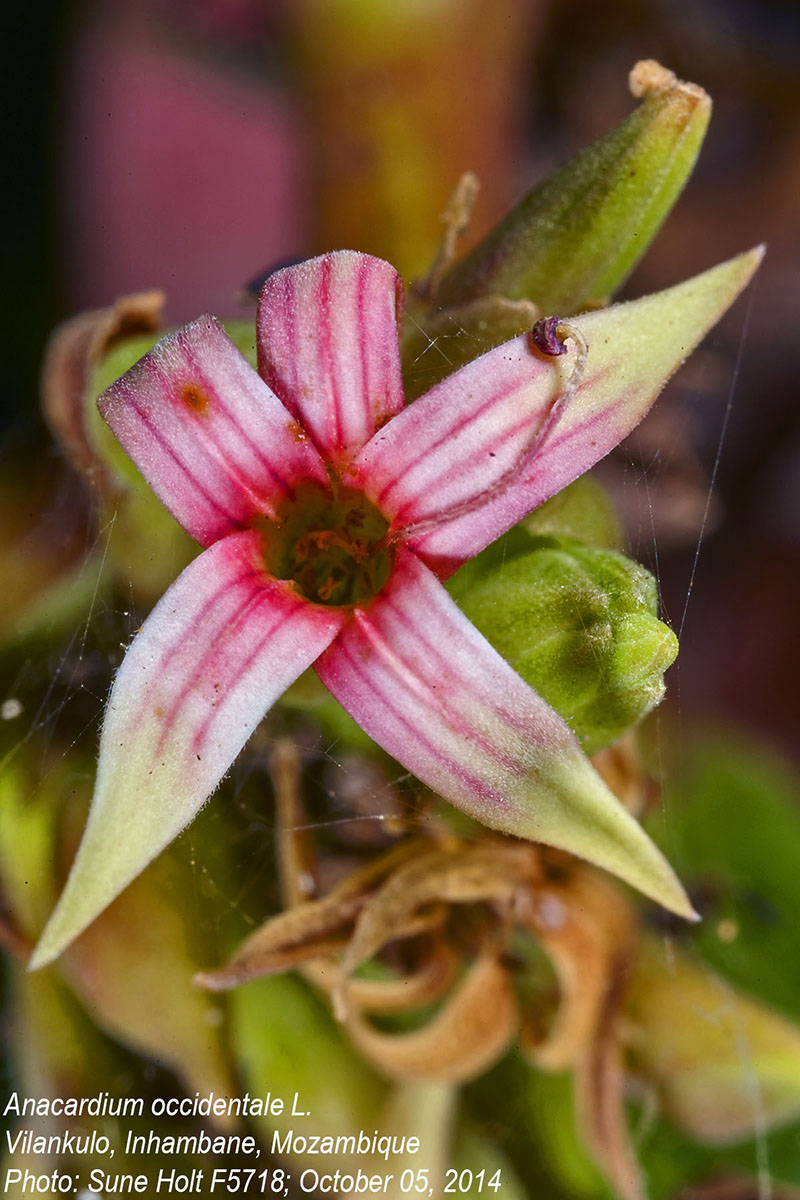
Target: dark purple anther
545	338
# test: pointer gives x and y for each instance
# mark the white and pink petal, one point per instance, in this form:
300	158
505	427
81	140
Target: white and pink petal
219	648
425	685
215	444
328	347
476	454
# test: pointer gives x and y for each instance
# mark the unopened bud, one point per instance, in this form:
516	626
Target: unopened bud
575	238
580	624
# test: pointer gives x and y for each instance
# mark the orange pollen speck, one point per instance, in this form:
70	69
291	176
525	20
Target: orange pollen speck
296	430
195	398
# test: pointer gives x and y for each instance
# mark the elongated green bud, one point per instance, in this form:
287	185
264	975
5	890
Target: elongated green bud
573	240
580	624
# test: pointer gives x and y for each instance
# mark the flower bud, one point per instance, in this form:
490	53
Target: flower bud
584	510
725	1067
576	237
579	624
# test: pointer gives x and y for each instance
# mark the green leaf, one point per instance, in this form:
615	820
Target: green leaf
733	830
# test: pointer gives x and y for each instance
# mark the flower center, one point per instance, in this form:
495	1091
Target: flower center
331	543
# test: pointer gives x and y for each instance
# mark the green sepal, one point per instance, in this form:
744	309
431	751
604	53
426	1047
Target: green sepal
574	239
580	625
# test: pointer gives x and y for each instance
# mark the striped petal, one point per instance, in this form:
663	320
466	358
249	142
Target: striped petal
220	647
327	345
214	443
444	469
431	690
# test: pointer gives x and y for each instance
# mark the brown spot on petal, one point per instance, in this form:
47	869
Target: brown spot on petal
195	398
381	418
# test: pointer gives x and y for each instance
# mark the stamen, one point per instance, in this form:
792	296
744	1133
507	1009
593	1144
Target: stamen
332	545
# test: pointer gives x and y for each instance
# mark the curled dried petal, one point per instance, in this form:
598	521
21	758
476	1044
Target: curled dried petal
74	349
493	872
422	986
467	1035
584	926
600	1093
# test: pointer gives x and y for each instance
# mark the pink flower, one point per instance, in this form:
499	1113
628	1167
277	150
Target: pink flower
329	514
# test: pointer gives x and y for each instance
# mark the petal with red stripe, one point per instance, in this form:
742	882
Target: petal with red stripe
328	346
430	689
214	443
468	460
219	648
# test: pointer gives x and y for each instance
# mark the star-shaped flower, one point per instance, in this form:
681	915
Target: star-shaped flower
329	514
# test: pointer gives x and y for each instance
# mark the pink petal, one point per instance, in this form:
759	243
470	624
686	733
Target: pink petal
490	455
327	345
219	648
431	690
214	443
453	445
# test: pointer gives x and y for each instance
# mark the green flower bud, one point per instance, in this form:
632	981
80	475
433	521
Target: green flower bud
584	510
580	624
574	239
711	1049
